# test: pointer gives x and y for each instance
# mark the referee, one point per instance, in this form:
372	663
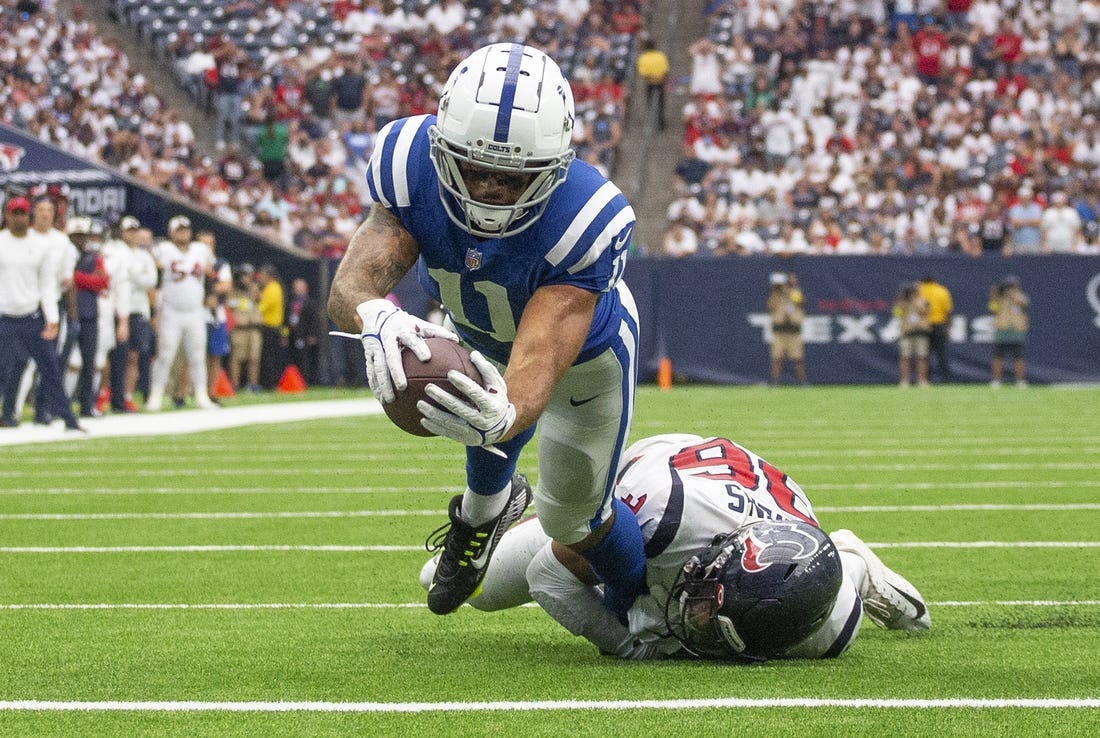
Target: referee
29	313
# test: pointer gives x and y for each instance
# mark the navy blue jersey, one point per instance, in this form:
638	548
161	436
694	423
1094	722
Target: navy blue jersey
485	284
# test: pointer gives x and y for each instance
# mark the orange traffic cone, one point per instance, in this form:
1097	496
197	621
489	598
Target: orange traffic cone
291	382
222	386
664	373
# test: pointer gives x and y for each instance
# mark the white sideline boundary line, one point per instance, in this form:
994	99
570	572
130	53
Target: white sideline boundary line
228	515
91	606
546	705
224	548
190	421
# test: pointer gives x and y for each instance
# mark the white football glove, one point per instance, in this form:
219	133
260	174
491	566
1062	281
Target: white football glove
481	417
386	328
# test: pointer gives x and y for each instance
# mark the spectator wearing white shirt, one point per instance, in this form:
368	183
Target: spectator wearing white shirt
680	239
1061	226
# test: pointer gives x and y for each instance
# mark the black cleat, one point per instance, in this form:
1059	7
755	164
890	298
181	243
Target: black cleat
466	550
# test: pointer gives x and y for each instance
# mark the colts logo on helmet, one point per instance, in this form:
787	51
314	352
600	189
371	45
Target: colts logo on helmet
764	546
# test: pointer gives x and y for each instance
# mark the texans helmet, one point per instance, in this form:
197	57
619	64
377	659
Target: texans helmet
756	592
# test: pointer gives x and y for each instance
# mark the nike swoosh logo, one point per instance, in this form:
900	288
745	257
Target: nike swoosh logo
578	403
912	601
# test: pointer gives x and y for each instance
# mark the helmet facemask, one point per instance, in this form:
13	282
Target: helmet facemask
756	592
486	219
693	609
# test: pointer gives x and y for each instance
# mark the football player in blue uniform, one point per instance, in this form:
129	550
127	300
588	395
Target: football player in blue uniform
738	566
524	247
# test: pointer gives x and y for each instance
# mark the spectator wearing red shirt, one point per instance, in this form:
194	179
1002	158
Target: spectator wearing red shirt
954	17
929	45
1007	45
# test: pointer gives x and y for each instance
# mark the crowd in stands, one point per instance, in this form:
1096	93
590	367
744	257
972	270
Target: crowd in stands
905	127
296	91
849	127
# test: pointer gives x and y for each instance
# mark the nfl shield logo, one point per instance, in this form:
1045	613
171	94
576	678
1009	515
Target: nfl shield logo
473	259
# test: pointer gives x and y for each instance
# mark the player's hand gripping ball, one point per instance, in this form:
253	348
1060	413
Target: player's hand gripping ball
446	355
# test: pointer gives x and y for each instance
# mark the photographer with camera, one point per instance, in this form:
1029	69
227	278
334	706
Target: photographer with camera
786	311
1009	306
911	310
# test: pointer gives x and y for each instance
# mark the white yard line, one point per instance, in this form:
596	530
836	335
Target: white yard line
224	548
31	606
255	515
359	490
964	703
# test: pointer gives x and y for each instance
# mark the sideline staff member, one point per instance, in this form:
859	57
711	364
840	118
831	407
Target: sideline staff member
28	311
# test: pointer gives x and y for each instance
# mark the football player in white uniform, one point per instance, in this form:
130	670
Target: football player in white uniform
524	247
184	265
142	275
738	567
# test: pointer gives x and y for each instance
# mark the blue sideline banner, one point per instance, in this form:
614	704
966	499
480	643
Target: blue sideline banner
102	193
25	162
708	315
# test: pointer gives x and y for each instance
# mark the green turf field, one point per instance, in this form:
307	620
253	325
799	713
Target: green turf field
262	581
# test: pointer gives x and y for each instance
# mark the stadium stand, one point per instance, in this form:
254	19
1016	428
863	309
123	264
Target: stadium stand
845	128
333	73
294	66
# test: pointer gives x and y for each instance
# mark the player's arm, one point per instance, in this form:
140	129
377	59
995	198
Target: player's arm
550	335
379	254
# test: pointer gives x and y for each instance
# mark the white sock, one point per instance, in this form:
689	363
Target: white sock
854	569
480	509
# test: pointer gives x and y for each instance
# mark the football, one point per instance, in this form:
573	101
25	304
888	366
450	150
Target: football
446	355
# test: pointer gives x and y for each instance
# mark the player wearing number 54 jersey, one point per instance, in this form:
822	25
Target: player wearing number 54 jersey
525	248
738	568
184	264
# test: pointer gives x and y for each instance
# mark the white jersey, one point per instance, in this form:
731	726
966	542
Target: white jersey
727	487
183	274
27	276
64	253
143	277
116	260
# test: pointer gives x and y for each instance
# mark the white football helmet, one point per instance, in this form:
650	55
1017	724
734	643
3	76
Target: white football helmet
508	109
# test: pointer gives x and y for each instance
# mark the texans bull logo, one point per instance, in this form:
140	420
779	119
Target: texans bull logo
763	547
10	156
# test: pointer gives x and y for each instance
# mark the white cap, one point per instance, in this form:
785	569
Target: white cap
778	278
129	222
79	224
179	221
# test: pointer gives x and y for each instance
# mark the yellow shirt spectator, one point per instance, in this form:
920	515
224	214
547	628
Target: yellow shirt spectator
271	304
939	301
653	66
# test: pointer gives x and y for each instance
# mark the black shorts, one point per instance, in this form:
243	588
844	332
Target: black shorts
141	334
1008	350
